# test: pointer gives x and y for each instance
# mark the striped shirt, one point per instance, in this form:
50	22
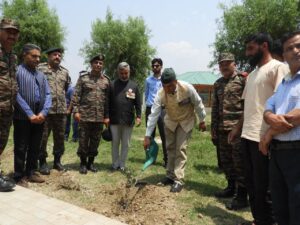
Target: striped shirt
33	95
285	99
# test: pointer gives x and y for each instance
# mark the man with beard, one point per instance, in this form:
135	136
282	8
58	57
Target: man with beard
261	84
59	81
124	112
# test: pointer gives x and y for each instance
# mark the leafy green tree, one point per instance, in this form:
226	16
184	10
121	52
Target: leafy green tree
121	41
38	24
239	20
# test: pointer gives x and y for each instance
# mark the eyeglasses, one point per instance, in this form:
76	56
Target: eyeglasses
155	66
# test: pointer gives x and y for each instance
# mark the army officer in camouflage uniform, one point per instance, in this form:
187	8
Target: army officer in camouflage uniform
59	81
90	102
9	34
227	110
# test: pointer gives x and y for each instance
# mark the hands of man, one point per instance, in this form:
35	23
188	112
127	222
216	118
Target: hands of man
146	142
138	121
106	122
202	126
77	117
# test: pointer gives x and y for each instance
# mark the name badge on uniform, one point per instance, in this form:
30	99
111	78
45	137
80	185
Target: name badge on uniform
130	94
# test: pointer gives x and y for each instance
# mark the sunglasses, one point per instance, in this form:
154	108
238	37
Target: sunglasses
155	66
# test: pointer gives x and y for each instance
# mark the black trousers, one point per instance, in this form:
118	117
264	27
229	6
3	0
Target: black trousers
285	182
257	182
161	129
27	142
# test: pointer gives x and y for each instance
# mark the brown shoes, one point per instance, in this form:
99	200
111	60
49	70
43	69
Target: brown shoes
35	178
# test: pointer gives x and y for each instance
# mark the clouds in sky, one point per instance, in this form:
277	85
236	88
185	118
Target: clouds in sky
183	56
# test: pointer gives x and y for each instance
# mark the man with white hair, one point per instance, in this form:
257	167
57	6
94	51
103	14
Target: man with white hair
125	96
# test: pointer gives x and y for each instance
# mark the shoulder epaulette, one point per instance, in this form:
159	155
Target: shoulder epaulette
64	68
106	76
43	64
83	73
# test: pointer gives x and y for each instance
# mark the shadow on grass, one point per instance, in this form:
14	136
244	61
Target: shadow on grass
208	168
220	216
99	166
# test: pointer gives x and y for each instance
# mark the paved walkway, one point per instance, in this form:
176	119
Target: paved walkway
26	207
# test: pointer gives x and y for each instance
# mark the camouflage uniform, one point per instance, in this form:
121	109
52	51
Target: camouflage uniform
59	82
90	100
227	110
8	93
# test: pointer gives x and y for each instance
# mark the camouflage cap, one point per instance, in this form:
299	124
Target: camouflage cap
9	24
100	57
225	56
56	49
168	75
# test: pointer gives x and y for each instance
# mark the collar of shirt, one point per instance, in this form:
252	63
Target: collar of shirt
289	77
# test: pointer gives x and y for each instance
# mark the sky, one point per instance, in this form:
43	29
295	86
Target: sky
182	32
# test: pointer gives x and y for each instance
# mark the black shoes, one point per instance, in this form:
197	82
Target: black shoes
227	192
6	184
44	169
237	204
176	187
83	169
165	181
57	164
240	199
90	165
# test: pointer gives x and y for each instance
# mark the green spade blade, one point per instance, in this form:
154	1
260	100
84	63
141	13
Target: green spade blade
151	154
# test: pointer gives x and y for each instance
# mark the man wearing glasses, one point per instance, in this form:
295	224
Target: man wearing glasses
152	85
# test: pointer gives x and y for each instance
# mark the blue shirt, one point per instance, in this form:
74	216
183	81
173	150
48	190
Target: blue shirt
25	77
152	85
286	98
69	95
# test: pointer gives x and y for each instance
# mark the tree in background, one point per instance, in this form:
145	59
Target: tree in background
251	16
121	41
39	24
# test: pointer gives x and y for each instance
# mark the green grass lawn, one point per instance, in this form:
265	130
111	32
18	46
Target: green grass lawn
202	178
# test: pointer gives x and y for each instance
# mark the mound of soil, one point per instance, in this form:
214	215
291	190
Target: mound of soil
135	205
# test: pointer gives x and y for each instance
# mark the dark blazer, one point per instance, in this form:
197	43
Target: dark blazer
125	102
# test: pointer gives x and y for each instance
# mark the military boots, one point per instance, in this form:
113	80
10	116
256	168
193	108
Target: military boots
57	164
90	165
83	168
227	192
44	169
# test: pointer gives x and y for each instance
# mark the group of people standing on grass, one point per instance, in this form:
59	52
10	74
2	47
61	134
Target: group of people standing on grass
255	126
33	97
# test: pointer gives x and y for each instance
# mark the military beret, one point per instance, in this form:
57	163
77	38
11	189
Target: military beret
50	50
97	57
225	56
9	24
106	134
168	75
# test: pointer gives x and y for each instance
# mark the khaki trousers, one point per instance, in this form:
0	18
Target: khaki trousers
176	143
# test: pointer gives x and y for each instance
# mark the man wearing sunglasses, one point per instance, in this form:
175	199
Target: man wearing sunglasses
152	85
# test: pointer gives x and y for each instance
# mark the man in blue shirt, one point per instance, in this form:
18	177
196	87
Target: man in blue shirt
69	96
33	103
152	85
282	113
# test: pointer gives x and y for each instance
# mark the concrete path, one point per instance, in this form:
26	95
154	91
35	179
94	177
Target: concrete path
26	207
